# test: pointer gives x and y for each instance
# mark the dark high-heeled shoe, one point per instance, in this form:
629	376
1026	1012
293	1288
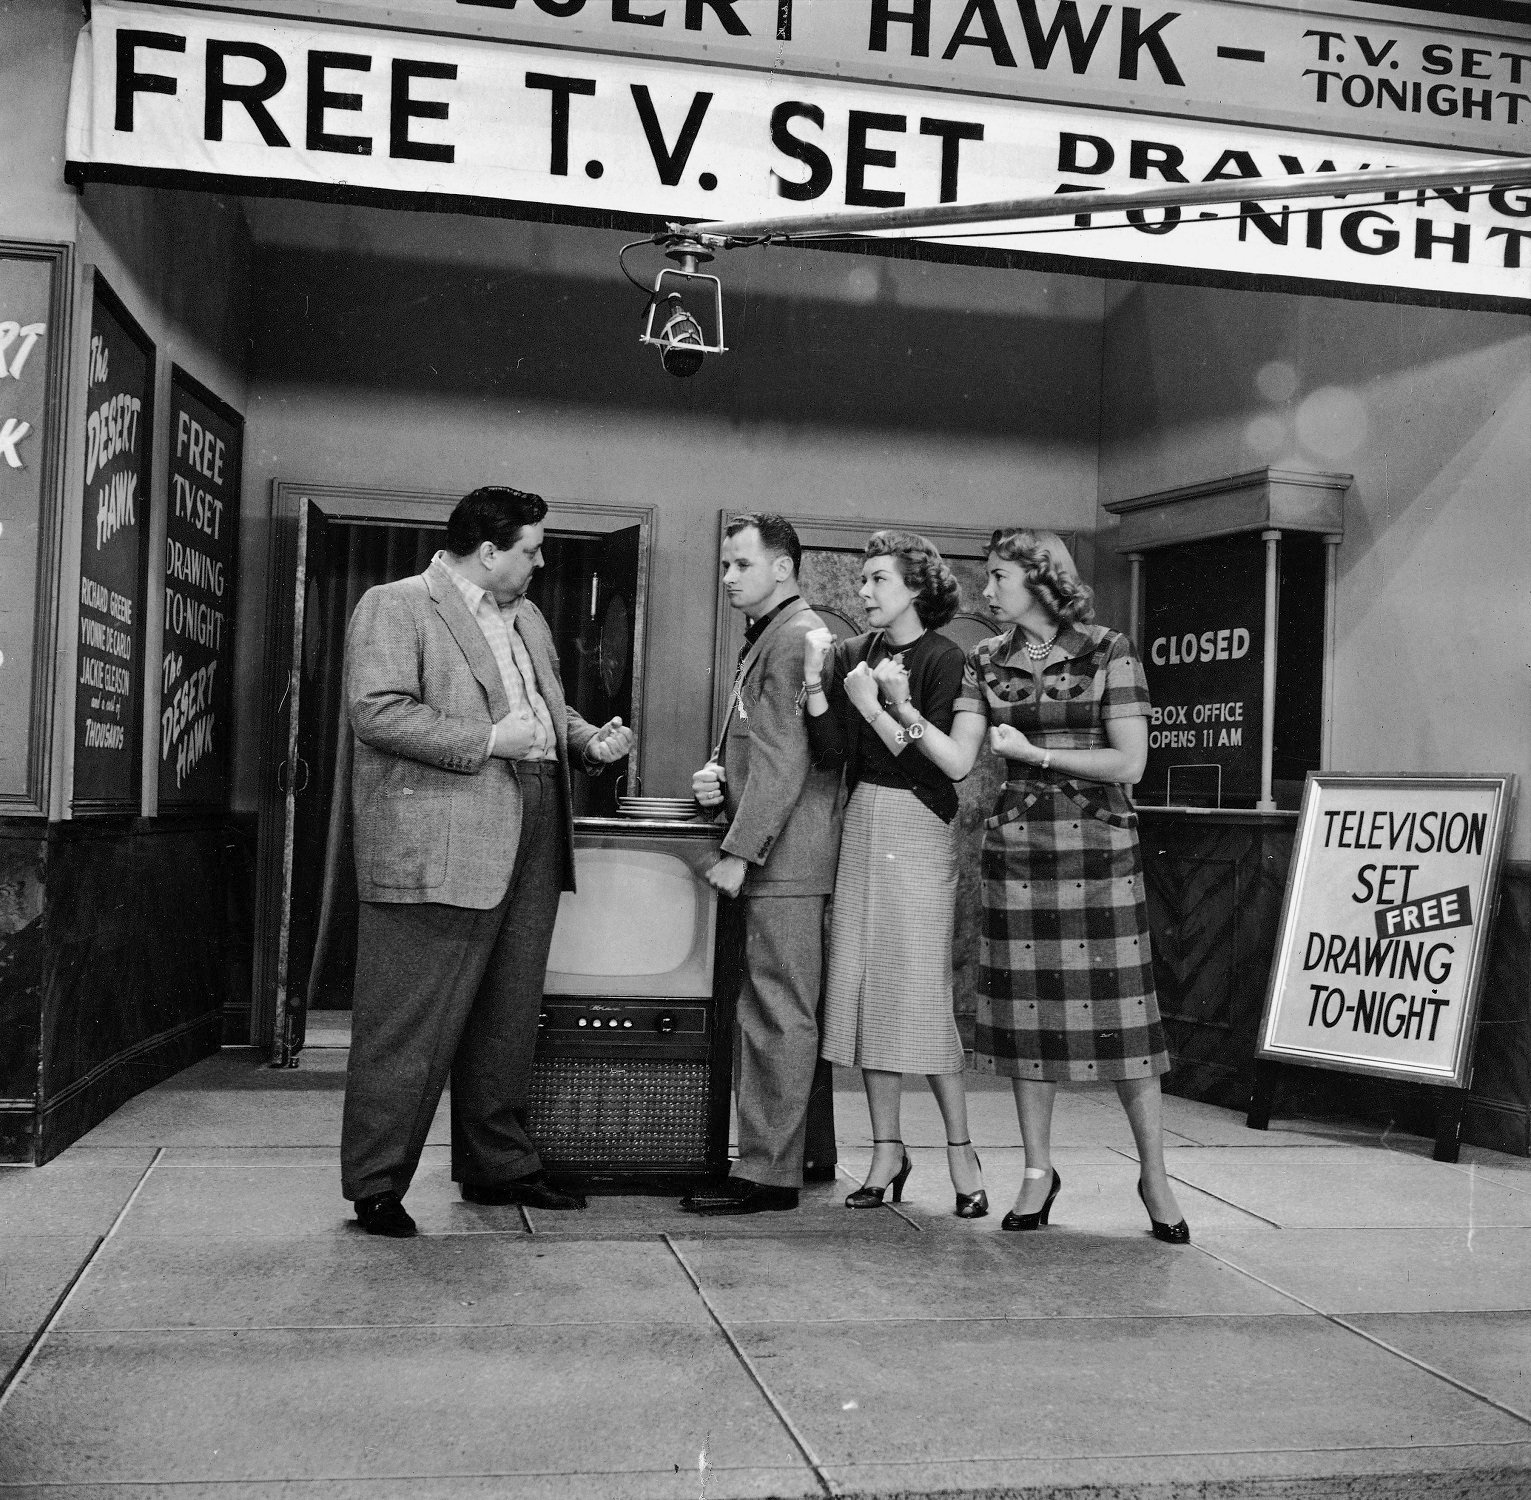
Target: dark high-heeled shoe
970	1205
1171	1234
1013	1220
871	1197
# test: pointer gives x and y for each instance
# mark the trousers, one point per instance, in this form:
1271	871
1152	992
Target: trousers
777	1019
451	992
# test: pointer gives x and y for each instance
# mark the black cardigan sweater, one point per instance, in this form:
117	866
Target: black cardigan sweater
843	737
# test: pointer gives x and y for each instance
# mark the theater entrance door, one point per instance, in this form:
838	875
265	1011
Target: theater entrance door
332	545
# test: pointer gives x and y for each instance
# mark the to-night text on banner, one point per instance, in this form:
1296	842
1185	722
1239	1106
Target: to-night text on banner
169	90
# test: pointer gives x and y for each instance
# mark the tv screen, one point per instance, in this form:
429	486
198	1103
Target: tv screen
641	923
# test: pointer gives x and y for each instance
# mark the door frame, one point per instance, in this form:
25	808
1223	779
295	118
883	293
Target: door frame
280	771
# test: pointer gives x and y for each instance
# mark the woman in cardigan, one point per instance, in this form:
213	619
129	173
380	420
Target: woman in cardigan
888	1006
1068	991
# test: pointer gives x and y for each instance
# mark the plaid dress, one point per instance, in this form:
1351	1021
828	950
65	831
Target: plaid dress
1066	991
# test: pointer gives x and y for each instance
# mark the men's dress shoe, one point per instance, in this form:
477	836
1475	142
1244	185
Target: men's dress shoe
738	1195
534	1191
383	1213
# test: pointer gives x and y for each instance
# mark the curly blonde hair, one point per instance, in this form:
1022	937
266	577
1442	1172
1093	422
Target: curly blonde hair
925	575
1050	572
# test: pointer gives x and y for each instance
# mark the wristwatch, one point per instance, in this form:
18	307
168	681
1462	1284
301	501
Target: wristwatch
914	731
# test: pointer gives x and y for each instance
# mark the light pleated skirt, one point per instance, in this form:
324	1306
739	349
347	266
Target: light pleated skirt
888	1003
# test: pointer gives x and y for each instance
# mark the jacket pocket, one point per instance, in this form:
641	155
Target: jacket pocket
411	833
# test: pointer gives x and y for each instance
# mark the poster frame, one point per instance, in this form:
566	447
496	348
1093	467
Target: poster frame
182	379
1503	784
51	520
92	807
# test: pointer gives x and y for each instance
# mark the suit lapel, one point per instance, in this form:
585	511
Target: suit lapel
794	608
458	618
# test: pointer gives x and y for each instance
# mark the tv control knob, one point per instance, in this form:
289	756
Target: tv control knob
665	1023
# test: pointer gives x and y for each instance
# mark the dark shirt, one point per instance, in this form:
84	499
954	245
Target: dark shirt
843	735
756	628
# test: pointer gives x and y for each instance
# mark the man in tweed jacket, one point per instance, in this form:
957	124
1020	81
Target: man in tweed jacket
464	839
780	852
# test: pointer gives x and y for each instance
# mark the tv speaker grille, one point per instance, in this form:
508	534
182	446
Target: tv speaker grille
603	1114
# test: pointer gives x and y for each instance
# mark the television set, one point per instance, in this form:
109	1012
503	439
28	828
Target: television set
642	920
630	1084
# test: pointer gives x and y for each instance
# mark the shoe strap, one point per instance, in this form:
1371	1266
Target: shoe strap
886	1140
967	1142
1039	1171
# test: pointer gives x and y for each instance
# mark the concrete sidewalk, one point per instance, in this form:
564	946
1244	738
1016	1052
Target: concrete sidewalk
184	1311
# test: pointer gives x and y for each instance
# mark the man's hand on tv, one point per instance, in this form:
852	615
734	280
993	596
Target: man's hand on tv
612	742
707	785
727	875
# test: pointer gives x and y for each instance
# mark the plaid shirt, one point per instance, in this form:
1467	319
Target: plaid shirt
499	626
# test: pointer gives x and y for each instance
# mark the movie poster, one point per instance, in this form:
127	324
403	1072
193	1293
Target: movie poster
114	537
201	565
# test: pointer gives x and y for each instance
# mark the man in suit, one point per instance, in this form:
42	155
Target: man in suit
464	838
779	855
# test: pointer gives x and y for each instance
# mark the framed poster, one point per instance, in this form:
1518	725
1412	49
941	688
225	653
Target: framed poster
114	555
32	343
1204	656
201	566
1384	931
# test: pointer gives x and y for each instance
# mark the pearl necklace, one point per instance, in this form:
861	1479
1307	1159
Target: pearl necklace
1038	650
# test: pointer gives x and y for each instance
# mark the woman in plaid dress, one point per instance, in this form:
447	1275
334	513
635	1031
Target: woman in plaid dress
888	994
1067	993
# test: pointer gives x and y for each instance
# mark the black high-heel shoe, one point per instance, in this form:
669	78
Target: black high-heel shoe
970	1205
1171	1234
871	1197
1013	1220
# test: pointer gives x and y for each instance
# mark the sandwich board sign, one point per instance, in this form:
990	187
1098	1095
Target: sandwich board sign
1385	927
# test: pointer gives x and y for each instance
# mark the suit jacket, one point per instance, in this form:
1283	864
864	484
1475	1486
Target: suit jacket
784	813
435	817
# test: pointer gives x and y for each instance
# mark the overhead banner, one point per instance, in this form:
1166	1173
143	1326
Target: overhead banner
464	122
1342	66
1384	934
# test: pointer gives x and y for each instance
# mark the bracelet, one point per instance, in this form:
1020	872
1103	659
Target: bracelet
815	685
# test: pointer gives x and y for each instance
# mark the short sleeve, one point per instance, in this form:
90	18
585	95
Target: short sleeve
970	695
1125	692
942	681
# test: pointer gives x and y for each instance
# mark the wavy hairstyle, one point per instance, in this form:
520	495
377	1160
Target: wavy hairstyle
1050	572
932	583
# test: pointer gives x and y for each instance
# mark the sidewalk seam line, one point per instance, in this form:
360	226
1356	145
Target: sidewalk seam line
803	1447
1339	1321
29	1356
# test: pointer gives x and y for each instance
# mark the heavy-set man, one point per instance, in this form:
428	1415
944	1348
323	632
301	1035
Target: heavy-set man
779	855
464	839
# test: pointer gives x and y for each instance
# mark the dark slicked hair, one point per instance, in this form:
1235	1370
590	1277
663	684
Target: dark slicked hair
777	534
495	514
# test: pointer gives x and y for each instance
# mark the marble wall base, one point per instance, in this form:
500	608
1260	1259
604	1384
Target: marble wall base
1215	885
115	966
